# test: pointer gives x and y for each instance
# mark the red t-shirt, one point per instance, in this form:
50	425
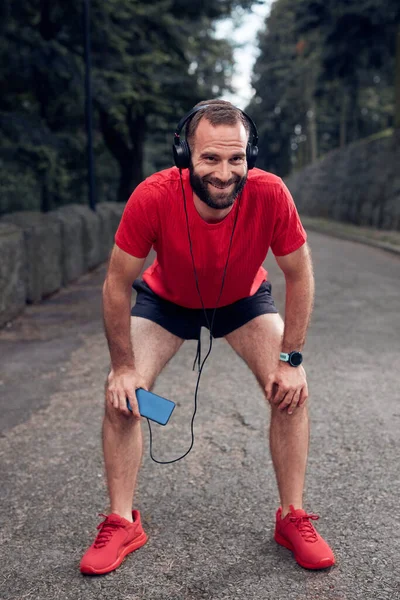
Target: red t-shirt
155	216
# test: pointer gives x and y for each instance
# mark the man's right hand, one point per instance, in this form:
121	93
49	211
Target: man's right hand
121	384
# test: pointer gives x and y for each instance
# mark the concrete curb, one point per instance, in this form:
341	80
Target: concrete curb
13	278
42	240
50	250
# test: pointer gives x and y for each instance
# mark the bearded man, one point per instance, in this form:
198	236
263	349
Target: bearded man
211	220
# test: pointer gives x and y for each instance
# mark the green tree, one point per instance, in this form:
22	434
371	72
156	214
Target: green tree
278	103
151	62
324	77
163	62
358	50
42	93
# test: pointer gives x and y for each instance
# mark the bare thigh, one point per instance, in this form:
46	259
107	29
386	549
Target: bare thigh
153	346
258	343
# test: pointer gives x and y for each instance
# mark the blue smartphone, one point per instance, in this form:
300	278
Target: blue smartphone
153	407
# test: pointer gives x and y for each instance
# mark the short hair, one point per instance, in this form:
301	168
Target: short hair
218	112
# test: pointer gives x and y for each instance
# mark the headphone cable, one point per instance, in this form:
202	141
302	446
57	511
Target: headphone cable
210	326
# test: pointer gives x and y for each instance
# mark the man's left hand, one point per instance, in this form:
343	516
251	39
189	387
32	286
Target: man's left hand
287	387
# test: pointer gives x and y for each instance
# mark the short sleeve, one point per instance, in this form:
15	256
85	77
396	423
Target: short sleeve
289	234
137	230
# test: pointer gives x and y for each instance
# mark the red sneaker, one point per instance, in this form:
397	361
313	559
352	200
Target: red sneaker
117	538
297	533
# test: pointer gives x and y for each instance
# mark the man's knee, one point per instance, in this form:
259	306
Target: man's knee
116	417
299	411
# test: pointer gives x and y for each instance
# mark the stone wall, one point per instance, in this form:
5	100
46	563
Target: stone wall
39	253
359	184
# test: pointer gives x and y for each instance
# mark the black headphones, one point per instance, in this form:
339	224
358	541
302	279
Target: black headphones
181	150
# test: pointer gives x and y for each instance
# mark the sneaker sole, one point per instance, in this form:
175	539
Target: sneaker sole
135	545
325	563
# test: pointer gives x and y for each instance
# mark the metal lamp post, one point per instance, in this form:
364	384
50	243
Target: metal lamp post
88	104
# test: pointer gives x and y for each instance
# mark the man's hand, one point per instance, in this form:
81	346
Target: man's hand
287	387
121	384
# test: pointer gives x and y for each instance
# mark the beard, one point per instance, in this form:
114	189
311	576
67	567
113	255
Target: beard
215	199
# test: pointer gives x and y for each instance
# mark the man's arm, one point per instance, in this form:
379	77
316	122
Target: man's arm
117	292
298	271
287	386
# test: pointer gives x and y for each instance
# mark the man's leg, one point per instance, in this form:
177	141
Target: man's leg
153	346
258	342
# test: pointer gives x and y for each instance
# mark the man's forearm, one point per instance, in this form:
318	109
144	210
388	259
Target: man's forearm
298	309
117	325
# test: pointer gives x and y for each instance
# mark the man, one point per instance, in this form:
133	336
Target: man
227	209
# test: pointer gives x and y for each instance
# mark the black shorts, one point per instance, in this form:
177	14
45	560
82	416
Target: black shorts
186	323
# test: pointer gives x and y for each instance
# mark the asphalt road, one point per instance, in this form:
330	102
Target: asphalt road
209	517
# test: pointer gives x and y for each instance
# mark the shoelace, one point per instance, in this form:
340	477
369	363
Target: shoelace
107	529
306	528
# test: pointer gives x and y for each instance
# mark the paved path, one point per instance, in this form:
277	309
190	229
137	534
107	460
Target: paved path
210	516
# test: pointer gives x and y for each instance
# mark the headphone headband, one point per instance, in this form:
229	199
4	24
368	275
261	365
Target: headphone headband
181	150
196	109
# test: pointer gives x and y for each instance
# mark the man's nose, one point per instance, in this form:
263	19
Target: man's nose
223	171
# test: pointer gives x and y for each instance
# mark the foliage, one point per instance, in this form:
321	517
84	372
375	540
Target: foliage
151	62
324	77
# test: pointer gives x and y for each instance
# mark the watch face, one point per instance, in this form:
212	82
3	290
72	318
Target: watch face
296	359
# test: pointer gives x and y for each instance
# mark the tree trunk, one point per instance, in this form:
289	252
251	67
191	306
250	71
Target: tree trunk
397	83
126	185
128	155
137	131
312	128
343	121
355	133
45	202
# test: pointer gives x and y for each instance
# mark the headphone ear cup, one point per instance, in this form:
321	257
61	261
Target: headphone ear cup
185	154
177	152
181	153
251	156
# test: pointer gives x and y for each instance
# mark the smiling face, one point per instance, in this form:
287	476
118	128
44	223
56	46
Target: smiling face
218	169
